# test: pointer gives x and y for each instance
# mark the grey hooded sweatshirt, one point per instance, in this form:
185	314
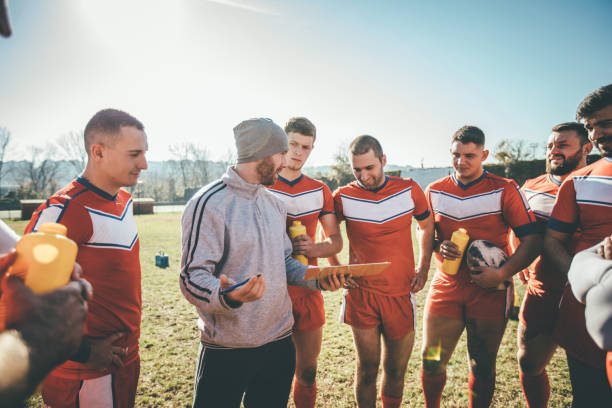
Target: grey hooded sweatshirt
235	228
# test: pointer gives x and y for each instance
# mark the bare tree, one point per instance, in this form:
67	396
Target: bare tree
37	176
342	169
509	152
72	149
5	139
190	162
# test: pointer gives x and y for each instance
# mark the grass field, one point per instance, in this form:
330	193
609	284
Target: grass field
169	342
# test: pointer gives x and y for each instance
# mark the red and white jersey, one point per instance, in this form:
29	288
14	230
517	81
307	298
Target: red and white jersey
584	203
378	226
306	200
541	193
104	229
486	208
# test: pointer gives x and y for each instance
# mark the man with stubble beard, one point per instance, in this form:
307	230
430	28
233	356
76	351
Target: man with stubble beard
584	204
566	150
234	232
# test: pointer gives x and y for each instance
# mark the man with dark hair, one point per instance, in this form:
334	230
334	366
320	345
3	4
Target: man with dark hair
363	144
581	218
486	206
310	202
98	215
378	211
567	149
234	232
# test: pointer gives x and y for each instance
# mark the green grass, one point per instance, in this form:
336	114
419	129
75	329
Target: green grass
169	341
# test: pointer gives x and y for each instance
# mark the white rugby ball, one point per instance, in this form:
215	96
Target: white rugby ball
485	253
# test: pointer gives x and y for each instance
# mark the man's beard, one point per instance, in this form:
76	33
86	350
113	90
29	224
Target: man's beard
267	172
604	149
377	182
569	164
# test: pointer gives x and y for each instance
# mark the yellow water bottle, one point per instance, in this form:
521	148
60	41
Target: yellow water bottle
296	229
45	260
461	239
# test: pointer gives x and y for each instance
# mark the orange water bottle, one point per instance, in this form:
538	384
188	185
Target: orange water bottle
461	239
45	260
295	230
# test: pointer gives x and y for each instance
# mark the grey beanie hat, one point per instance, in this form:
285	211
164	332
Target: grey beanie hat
259	138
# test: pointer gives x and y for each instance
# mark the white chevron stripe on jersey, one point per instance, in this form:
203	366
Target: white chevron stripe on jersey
594	190
49	214
463	208
111	231
541	203
378	212
303	203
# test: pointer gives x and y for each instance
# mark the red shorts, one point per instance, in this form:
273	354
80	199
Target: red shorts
464	300
116	390
539	313
308	312
571	334
363	309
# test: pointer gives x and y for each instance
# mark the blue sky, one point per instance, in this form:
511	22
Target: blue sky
410	73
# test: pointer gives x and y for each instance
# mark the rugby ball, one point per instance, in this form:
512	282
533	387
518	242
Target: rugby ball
485	253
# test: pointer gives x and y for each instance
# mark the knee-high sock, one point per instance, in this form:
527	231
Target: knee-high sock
390	402
536	389
481	391
432	388
303	395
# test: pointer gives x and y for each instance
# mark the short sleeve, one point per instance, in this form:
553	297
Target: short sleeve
516	211
328	202
564	216
421	204
338	205
73	216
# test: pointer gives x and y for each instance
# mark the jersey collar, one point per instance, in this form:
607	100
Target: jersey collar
471	183
553	180
95	189
377	189
291	182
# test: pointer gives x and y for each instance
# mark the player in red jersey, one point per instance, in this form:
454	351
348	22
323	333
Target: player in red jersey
309	201
378	212
99	218
567	148
584	203
486	206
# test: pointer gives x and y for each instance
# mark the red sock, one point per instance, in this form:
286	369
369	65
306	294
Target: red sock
390	402
303	395
432	388
481	391
536	389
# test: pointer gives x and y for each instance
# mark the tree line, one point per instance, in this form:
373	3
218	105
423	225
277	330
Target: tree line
47	167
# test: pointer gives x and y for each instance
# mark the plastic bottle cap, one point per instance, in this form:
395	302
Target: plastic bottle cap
45	253
53	228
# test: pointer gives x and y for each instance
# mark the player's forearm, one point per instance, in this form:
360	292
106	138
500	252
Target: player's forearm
201	289
295	274
426	245
556	251
529	248
327	248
